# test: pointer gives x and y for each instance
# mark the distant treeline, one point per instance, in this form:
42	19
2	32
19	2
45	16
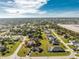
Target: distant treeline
15	21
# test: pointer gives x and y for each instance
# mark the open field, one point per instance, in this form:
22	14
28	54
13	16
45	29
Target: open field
72	27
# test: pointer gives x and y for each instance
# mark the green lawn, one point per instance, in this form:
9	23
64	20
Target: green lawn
12	48
71	46
23	51
77	55
65	40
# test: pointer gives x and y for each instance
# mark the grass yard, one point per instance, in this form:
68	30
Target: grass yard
11	48
65	40
23	51
62	46
71	46
77	55
44	35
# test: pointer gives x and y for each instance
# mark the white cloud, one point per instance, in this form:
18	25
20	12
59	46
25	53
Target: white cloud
20	11
44	14
26	6
30	8
65	14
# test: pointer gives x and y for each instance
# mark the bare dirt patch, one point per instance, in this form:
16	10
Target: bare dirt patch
72	27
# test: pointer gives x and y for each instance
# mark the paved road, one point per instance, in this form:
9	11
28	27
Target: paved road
19	47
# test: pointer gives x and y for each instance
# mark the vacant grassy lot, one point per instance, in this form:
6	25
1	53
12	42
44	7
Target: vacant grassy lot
23	51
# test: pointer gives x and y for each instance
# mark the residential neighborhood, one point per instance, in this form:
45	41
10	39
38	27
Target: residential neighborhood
38	40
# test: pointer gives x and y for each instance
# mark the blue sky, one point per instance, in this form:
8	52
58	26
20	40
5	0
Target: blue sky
50	8
60	5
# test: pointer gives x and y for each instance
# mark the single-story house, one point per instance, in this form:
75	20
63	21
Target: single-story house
37	49
74	42
2	48
55	42
30	44
51	38
56	49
